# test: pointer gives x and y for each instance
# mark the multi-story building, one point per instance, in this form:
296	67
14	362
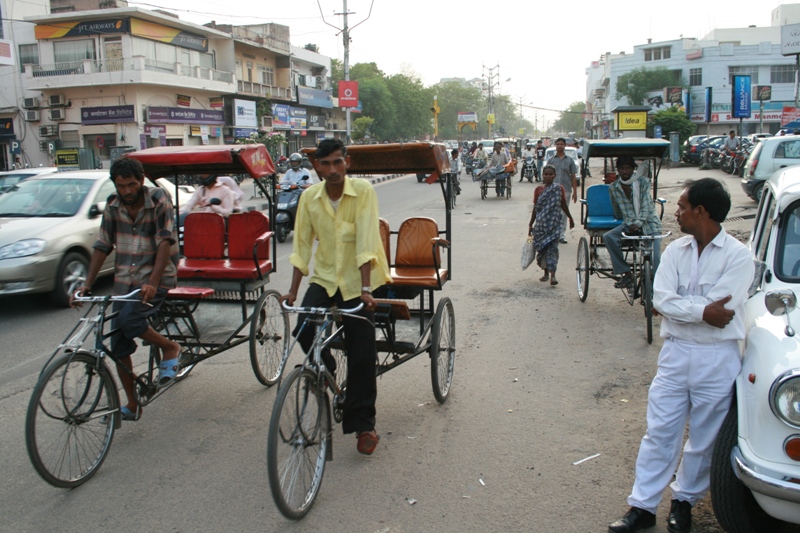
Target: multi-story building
699	63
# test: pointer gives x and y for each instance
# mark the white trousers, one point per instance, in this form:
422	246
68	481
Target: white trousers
694	382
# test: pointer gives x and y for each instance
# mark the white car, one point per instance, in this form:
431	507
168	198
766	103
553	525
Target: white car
755	470
12	177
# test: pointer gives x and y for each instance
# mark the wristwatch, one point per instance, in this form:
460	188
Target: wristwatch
368	290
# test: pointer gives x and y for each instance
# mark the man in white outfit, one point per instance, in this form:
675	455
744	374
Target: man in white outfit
700	290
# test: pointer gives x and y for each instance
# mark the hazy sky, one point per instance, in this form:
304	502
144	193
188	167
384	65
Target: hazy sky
544	47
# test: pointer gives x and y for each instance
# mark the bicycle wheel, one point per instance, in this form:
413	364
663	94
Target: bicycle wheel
298	443
71	419
582	270
269	338
443	349
483	189
508	187
647	298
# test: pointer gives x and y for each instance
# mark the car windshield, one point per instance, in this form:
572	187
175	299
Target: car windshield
787	262
9	180
44	198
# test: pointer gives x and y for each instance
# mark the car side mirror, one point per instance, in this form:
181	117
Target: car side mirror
781	302
97	209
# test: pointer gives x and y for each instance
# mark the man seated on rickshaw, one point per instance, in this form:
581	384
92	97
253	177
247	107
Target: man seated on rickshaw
633	203
499	160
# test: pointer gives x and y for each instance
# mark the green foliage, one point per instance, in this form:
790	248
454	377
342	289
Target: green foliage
337	74
454	97
571	119
363	71
412	102
378	103
635	85
273	141
361	127
673	119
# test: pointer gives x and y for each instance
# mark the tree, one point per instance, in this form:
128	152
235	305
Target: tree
412	102
455	97
363	71
337	75
673	119
635	85
361	127
571	119
377	102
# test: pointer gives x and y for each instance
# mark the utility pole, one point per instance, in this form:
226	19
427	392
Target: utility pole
346	38
490	77
435	110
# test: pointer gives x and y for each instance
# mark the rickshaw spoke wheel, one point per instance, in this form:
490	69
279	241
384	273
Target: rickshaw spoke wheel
71	419
582	270
269	338
647	298
298	443
443	349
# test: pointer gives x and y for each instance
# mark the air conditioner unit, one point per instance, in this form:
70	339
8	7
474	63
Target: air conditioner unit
58	114
56	100
320	81
48	131
32	116
266	122
30	103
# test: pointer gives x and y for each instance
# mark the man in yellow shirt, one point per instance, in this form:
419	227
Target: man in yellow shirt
342	214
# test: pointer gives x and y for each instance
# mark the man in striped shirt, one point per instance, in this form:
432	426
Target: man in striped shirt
139	222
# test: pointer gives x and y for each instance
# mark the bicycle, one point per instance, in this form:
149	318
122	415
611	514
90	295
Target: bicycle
299	441
75	408
641	264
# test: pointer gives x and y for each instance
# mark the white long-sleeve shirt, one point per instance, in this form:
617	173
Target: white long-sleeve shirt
201	196
238	193
685	283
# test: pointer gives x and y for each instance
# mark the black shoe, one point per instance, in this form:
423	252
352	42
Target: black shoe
634	520
680	517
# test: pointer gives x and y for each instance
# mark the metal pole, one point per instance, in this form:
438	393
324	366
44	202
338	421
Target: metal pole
761	116
346	37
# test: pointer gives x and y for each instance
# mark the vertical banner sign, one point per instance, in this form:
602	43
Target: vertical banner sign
741	97
348	94
707	115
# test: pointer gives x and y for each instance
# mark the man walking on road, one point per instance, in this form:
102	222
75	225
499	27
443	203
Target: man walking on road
566	169
340	216
540	151
700	290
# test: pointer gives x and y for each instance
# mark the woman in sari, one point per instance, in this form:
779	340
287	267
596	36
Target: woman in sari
545	226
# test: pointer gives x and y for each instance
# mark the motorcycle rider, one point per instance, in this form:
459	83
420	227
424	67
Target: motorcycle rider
540	150
297	175
480	155
526	153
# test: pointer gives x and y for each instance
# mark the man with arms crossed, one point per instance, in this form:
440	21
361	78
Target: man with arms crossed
139	223
700	290
341	213
566	169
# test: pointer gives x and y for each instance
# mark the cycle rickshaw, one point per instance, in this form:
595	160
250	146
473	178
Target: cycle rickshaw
221	301
597	217
408	323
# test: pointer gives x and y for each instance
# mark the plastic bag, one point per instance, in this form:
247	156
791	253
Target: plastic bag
528	253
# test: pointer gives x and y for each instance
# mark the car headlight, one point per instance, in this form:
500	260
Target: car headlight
22	248
785	397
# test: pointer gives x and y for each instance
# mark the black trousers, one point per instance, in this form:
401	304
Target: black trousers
361	352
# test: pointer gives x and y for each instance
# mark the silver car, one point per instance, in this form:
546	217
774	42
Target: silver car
47	227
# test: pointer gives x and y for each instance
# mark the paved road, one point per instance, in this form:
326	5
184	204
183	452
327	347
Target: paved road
541	382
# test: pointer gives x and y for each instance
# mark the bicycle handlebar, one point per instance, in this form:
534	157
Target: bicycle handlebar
124	298
322	310
645	237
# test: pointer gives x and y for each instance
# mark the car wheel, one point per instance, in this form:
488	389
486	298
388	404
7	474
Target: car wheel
734	505
758	192
71	273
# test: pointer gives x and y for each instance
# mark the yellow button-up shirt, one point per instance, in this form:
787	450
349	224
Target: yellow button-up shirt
348	238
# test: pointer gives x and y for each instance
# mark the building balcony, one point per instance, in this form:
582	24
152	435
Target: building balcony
265	91
261	40
138	69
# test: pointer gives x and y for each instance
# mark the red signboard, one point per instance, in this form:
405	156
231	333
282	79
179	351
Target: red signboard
348	94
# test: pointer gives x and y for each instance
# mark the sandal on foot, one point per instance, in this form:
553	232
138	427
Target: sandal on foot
167	371
553	281
127	414
545	277
367	441
623	283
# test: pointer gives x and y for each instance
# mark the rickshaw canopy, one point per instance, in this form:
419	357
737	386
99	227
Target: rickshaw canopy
406	158
639	148
251	159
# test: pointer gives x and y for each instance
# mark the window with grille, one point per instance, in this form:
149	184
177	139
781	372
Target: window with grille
695	77
266	75
751	71
782	73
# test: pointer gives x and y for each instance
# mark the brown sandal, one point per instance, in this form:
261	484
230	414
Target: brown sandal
545	277
367	441
553	281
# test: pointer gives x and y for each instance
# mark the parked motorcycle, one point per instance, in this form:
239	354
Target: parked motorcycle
288	198
529	169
